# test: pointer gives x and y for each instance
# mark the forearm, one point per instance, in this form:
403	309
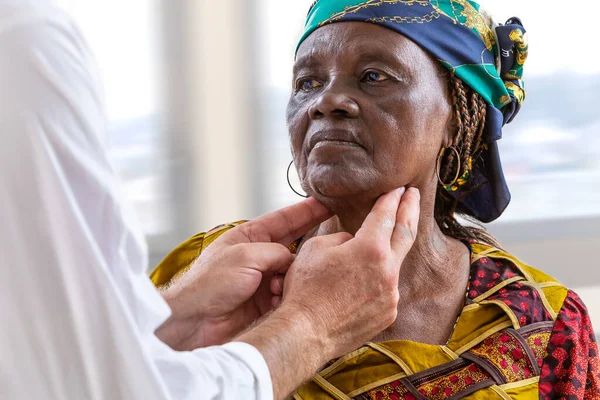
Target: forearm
292	348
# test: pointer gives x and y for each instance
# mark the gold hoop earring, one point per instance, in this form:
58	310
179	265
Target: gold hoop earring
290	183
438	165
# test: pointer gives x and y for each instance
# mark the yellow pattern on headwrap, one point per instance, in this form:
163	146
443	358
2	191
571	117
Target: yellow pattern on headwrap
517	91
521	43
371	3
473	20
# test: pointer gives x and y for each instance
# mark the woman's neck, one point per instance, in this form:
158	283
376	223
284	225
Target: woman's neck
430	250
433	277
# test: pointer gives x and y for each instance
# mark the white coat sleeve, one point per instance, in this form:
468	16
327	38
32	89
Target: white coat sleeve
77	311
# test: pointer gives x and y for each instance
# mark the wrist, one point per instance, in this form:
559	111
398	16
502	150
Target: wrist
181	333
307	323
181	325
185	300
292	345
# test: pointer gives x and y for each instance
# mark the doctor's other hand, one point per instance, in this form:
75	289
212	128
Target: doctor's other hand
228	286
348	286
339	293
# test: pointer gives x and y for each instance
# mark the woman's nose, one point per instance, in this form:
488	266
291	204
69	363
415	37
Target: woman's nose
334	101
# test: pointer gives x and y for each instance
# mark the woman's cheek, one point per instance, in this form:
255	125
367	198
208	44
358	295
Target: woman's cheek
297	126
296	139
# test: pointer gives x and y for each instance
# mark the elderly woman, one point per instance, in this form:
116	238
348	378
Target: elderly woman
391	93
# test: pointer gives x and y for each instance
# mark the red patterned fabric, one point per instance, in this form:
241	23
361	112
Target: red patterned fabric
523	300
571	368
525	303
488	272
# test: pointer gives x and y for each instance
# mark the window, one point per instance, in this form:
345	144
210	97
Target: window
123	37
550	152
277	39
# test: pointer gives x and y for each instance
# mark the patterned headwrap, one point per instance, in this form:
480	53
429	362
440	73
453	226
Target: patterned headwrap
486	56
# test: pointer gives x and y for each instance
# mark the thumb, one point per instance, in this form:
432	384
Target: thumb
282	226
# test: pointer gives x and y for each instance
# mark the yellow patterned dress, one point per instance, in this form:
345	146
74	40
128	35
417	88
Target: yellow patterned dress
520	335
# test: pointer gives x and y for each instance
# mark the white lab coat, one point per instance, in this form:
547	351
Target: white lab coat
77	311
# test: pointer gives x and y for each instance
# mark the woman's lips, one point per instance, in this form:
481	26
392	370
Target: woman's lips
330	142
333	137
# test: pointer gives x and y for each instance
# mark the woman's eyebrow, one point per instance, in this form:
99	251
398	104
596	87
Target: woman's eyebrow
392	60
314	60
306	61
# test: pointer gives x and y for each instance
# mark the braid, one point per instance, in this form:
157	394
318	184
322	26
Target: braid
455	90
468	140
472	130
459	106
482	115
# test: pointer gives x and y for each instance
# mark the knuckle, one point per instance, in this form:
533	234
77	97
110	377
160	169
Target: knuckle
253	231
394	299
392	308
389	316
244	229
407	230
243	252
393	316
376	253
312	243
345	236
277	248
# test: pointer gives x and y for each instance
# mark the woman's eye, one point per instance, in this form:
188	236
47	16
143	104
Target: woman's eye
374	76
308	84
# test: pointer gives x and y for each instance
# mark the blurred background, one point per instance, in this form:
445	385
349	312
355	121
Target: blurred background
196	92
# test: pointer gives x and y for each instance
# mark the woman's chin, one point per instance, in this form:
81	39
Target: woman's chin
342	179
327	191
324	187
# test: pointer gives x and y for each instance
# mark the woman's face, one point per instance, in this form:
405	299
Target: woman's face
368	113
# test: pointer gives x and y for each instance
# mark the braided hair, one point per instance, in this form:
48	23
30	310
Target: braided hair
469	111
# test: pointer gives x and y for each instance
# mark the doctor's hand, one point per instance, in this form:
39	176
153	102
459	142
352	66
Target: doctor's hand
230	285
339	293
348	285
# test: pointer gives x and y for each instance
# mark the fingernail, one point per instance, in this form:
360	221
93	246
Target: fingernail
416	191
401	190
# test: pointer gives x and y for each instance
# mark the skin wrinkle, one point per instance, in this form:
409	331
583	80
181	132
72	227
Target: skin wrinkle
402	124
